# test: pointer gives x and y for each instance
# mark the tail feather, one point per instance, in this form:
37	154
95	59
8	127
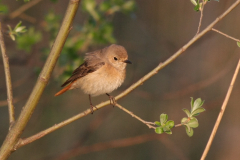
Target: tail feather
63	90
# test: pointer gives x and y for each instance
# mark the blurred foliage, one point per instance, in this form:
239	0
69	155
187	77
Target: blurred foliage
189	122
96	30
3	8
27	40
16	31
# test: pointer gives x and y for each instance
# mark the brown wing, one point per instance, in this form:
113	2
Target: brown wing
82	71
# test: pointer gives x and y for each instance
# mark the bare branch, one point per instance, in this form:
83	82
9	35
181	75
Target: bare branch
224	105
201	16
235	39
8	78
23	8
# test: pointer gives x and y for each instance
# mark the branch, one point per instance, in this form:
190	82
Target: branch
131	88
17	129
23	8
201	16
237	40
134	116
224	105
8	78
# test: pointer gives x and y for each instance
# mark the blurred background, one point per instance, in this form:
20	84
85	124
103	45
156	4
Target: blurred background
151	31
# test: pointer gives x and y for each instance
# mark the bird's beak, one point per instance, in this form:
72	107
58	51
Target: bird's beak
127	61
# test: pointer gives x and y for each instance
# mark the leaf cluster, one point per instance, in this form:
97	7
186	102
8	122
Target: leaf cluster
191	121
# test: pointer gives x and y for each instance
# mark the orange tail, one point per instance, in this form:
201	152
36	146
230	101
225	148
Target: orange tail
63	90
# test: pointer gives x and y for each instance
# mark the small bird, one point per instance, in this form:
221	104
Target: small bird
101	72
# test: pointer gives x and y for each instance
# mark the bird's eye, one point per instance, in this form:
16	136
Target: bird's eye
115	58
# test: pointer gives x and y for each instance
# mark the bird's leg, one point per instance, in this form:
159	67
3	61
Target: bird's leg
112	99
91	106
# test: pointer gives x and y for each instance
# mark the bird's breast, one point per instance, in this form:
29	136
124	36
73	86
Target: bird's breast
104	80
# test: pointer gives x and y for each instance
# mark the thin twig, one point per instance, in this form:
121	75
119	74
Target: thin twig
134	116
224	105
23	8
8	78
235	39
201	16
17	129
132	87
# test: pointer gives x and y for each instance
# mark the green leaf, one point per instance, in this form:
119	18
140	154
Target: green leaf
197	104
169	132
166	129
159	130
197	111
189	131
192	101
18	25
193	123
186	111
196	8
238	43
163	118
157	123
183	121
194	2
170	124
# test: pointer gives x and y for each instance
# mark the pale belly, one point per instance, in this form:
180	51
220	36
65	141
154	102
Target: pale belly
98	82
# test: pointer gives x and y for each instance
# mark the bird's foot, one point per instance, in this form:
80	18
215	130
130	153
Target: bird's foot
112	100
91	107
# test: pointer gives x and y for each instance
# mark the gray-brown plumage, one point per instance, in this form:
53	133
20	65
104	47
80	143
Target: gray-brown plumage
102	72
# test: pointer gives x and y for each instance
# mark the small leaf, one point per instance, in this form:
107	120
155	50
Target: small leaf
196	8
163	118
188	129
238	43
159	130
170	124
20	29
197	104
194	2
157	123
197	111
193	123
18	25
166	129
186	111
189	133
192	101
12	37
169	132
183	121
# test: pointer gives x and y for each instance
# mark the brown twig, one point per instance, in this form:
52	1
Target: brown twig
14	134
23	8
149	124
201	16
235	39
224	105
8	78
132	87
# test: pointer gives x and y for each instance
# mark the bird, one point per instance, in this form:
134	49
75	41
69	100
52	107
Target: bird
102	72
